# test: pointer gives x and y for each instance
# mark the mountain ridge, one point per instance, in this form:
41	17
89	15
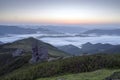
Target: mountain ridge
103	32
4	30
89	48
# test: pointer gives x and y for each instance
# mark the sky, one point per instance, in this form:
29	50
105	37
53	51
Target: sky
59	11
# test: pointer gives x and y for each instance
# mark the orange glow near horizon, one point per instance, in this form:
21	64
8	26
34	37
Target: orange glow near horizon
61	21
60	12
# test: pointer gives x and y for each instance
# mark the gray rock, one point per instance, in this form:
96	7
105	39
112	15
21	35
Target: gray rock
39	54
18	52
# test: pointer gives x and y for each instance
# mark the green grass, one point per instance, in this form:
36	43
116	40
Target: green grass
95	75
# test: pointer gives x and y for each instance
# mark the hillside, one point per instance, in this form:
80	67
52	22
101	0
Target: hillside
100	48
95	75
96	48
26	45
114	76
19	67
89	48
9	63
70	65
71	49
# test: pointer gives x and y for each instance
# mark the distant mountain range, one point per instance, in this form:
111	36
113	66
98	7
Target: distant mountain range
89	48
66	29
61	28
20	30
4	29
99	48
103	32
71	49
1	42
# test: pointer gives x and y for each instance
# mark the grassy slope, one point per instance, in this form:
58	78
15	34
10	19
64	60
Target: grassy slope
95	75
62	67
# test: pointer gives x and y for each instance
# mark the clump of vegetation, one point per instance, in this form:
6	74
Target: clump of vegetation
64	66
114	76
9	63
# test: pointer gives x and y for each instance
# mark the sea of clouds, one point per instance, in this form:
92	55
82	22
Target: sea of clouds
60	40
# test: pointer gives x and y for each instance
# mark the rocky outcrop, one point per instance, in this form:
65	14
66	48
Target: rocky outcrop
18	52
39	54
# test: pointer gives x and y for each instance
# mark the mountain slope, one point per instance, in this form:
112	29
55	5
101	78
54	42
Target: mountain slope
114	76
114	49
100	48
9	63
26	45
71	49
95	48
64	66
95	75
90	48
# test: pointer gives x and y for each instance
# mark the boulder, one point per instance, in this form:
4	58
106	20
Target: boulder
18	52
39	54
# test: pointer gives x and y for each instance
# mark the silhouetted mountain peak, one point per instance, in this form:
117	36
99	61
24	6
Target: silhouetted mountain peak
1	42
87	44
